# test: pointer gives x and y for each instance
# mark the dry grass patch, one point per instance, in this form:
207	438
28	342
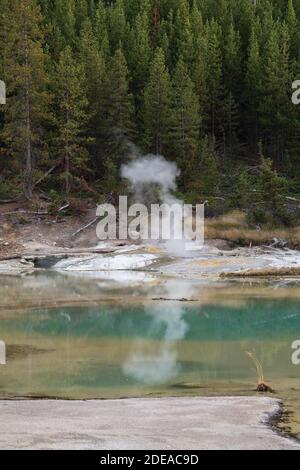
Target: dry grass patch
264	272
233	228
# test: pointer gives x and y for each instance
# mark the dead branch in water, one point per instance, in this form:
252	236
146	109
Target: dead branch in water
163	299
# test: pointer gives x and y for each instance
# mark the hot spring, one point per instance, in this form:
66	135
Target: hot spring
81	338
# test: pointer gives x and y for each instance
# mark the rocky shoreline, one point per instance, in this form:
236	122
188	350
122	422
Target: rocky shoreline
210	261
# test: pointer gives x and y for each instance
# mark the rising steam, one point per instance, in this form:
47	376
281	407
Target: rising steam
155	171
152	180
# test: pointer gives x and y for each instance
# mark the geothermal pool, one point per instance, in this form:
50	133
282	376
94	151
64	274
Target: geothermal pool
78	338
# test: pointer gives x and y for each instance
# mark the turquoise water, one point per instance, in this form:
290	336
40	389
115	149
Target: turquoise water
257	319
125	347
86	351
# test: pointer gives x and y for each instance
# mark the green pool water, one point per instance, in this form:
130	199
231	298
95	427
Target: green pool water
123	343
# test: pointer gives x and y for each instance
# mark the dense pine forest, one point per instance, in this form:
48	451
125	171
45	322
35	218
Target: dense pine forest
206	83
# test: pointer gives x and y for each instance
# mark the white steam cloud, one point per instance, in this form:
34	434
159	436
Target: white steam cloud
153	179
152	170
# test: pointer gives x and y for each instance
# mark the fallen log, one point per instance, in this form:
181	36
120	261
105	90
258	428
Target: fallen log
72	253
48	173
8	201
25	213
63	208
279	243
85	227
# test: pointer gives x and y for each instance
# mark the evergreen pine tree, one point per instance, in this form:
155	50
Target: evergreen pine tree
185	122
71	117
141	54
183	33
271	191
157	104
117	25
101	23
26	80
292	24
117	110
209	170
196	22
232	61
91	9
65	20
229	118
81	14
276	103
213	63
253	89
94	66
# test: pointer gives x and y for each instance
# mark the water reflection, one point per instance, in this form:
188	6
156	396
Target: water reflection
160	366
115	350
80	338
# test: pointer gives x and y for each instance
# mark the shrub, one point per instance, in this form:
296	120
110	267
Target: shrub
269	205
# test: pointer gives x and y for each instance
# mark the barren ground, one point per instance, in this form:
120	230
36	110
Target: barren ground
146	424
22	232
29	229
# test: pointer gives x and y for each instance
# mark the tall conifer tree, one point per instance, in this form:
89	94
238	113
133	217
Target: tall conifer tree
157	104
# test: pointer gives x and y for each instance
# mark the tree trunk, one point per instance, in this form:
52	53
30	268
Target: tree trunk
67	172
28	167
67	161
28	160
